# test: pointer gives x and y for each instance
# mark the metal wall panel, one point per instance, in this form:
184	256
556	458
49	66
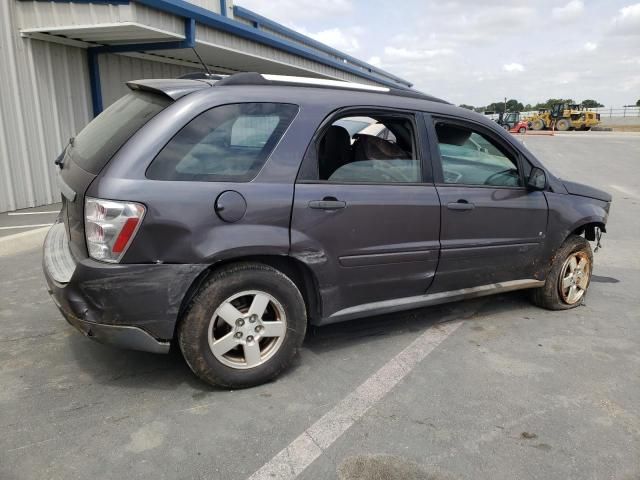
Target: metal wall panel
115	70
239	44
36	14
212	5
44	100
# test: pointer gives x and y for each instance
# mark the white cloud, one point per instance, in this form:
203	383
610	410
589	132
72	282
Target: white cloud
404	53
375	61
590	46
570	11
513	67
630	12
628	20
338	39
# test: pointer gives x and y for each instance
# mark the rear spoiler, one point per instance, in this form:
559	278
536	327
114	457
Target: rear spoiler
174	88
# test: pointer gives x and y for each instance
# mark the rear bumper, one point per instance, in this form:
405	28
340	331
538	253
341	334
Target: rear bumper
133	306
130	338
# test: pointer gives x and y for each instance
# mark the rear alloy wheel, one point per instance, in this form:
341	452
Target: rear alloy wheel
247	329
243	327
569	277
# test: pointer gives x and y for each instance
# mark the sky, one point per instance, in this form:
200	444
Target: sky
480	51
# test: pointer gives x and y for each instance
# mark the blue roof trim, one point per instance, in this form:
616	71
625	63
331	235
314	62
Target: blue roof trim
214	20
258	20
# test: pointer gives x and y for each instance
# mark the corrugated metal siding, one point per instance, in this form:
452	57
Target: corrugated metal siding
115	70
44	100
226	40
43	15
37	14
157	19
212	5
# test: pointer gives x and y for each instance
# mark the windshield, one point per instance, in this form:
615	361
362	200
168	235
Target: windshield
102	138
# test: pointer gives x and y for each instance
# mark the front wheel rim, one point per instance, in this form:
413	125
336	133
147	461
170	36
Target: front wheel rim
247	329
574	278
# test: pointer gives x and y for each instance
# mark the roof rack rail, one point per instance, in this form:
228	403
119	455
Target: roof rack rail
255	78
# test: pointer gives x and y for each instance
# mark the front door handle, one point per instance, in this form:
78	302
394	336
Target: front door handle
460	205
327	203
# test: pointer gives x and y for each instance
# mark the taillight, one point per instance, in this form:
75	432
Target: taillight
110	226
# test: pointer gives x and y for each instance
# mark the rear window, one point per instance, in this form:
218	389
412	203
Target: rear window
94	146
226	143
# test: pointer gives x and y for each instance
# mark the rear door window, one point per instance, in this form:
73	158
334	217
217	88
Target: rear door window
379	148
94	146
226	143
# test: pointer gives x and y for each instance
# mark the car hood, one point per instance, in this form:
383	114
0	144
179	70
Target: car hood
575	188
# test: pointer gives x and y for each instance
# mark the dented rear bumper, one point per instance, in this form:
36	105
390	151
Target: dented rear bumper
133	306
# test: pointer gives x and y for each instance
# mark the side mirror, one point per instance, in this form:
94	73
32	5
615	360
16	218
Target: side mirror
537	179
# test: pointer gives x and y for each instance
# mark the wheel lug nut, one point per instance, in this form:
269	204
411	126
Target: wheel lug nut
240	322
253	318
258	328
249	338
238	335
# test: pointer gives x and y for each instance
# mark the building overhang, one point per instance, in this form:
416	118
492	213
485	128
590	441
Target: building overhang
156	28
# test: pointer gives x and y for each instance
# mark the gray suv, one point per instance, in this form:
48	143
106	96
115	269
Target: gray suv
226	216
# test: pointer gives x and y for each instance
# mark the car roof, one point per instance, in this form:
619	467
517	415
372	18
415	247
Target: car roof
175	88
302	91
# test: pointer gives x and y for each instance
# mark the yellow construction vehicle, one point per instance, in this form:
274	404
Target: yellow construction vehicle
563	117
540	120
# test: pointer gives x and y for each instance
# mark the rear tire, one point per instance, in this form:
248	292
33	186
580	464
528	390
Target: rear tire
568	281
522	130
257	345
537	125
563	125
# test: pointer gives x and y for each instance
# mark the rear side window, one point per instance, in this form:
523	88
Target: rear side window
226	143
94	146
380	148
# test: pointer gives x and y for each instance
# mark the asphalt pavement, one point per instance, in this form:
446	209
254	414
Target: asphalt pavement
493	388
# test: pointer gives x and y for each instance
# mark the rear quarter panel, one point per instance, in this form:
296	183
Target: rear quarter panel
180	224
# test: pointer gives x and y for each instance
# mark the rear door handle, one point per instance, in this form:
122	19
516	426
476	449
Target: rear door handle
460	205
327	203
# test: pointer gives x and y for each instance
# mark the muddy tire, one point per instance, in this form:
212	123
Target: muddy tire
537	125
243	327
563	125
569	277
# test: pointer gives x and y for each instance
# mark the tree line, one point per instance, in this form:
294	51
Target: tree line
514	105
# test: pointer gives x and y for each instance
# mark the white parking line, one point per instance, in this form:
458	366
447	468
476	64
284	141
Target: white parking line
23	241
15	227
32	213
300	453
